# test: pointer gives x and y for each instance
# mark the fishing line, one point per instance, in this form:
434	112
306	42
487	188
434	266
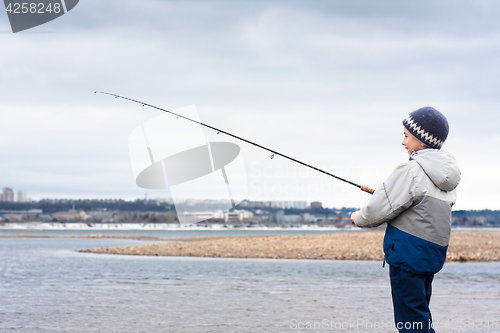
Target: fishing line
362	187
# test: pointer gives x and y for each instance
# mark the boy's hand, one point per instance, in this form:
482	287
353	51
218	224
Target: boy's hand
353	215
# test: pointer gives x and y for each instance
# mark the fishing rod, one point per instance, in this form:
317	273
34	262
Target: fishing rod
362	187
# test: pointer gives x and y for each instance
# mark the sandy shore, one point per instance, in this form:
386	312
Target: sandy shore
464	245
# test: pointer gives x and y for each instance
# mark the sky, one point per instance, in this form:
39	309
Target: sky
325	82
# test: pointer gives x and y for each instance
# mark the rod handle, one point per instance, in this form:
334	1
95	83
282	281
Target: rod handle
367	189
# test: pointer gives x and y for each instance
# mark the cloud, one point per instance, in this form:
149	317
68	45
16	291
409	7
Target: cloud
326	81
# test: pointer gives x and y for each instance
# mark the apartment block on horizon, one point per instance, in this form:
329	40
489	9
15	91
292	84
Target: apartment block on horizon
7	194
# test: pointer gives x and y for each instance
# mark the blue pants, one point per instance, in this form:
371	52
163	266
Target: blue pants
411	294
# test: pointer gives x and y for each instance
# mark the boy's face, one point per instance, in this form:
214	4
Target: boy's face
411	143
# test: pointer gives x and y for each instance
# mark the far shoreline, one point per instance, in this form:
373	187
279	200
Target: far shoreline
37	226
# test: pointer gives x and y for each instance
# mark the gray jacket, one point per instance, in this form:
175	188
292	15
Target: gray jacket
416	201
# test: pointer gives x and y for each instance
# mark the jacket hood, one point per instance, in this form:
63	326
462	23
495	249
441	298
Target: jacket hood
440	166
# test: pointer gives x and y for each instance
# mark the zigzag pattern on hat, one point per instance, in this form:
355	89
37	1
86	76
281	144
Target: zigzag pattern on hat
422	133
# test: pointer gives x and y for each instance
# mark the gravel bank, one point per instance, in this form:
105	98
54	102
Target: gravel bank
464	246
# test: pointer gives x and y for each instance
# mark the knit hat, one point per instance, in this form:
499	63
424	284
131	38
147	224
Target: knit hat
428	125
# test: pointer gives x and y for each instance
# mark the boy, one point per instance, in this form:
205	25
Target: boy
415	201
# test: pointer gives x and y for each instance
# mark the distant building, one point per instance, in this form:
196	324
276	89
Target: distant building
299	204
255	204
289	204
316	204
219	216
231	217
243	215
306	218
69	216
21	196
7	194
274	204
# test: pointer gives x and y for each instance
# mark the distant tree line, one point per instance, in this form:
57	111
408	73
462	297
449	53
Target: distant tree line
476	218
55	205
466	218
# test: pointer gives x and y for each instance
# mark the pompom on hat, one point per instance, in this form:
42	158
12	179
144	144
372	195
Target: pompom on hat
428	125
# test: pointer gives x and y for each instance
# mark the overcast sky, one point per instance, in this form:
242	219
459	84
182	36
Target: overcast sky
326	82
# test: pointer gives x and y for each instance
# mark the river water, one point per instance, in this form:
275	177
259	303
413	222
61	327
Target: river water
48	286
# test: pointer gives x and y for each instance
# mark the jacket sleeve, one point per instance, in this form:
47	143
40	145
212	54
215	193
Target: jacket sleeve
389	200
